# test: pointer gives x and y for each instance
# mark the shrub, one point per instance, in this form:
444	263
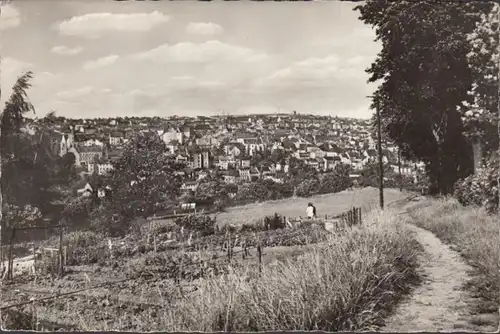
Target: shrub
480	188
204	225
307	187
84	248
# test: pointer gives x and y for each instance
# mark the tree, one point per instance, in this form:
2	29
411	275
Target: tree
209	190
424	75
480	112
143	180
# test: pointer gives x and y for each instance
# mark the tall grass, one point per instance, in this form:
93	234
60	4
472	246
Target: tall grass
474	233
348	284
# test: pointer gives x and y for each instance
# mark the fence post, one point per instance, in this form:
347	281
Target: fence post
360	217
65	256
10	273
61	264
34	261
259	252
229	246
154	242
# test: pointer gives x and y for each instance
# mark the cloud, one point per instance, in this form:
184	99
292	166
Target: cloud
12	69
100	62
95	24
210	51
312	70
76	93
204	29
10	17
66	51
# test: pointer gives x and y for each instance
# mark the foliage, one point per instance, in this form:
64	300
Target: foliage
481	188
336	181
209	190
78	209
252	191
142	181
308	187
480	112
274	222
84	248
424	74
24	216
202	224
30	173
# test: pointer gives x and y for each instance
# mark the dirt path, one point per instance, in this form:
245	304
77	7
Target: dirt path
441	302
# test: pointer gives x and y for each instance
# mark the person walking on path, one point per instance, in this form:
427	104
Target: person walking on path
310	211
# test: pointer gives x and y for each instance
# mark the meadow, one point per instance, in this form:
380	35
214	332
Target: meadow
326	204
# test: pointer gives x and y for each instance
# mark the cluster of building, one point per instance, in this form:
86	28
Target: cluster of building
233	145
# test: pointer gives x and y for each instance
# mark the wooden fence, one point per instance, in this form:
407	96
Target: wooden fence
6	250
350	217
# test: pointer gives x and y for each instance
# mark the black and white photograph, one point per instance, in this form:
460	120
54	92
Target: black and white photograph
249	166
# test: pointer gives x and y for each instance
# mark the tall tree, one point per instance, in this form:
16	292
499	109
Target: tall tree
424	75
480	111
143	181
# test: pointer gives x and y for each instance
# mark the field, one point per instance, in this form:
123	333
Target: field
327	204
305	279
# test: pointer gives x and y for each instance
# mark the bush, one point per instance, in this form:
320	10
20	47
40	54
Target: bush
480	188
84	248
307	188
202	224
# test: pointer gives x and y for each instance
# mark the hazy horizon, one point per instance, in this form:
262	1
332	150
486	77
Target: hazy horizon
107	59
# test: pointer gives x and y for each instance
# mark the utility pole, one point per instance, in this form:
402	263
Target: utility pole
380	162
498	97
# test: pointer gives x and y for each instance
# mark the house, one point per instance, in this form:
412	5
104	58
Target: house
234	149
254	173
228	178
223	163
329	163
66	143
244	163
189	185
252	145
314	163
100	168
244	174
104	168
92	142
101	193
86	191
201	160
116	138
90	154
171	134
181	158
186	131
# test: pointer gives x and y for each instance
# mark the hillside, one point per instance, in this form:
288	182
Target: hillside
327	204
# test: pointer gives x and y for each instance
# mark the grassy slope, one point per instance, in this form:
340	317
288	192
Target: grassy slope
348	283
329	204
345	284
475	235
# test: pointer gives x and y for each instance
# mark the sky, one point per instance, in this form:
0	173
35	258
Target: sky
186	58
